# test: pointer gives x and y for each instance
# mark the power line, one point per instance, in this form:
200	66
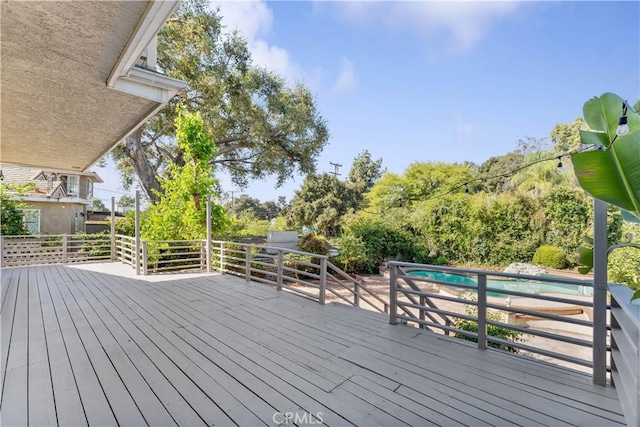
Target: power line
336	166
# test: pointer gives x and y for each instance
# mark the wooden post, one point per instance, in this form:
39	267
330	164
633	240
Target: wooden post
137	248
322	298
1	251
280	271
247	264
423	302
393	293
223	256
600	249
113	229
64	249
356	293
208	247
144	258
482	311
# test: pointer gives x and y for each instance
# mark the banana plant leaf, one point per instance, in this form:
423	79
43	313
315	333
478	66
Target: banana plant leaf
610	172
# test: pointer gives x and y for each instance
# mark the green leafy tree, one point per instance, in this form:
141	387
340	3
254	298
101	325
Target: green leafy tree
261	126
181	211
98	205
566	137
126	202
11	217
320	203
363	175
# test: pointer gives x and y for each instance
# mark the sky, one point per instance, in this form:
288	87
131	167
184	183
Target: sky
436	81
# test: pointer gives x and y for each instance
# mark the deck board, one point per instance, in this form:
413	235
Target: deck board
82	347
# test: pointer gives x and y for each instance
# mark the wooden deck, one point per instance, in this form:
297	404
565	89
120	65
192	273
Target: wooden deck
81	347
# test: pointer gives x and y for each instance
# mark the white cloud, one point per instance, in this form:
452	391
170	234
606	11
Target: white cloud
444	24
346	80
254	20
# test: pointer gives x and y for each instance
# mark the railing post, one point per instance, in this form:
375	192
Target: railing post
280	271
393	277
113	229
64	249
247	272
208	246
482	311
137	248
223	256
356	293
423	302
600	249
144	258
323	281
1	251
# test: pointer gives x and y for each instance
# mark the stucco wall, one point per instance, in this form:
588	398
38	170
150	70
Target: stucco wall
56	219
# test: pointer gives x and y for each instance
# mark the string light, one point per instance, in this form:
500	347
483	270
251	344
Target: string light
623	126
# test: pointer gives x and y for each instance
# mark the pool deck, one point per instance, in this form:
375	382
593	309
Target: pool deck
82	347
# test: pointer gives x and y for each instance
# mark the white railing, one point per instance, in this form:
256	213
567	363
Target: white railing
54	249
162	256
125	249
477	310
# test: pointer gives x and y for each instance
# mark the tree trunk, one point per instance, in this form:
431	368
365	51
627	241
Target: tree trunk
145	172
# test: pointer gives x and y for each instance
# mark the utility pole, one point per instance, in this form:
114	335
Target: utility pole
233	200
336	166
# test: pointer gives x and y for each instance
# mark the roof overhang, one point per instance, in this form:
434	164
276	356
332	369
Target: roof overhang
70	86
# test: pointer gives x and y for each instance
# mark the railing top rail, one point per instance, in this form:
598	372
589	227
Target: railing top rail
276	248
174	241
407	267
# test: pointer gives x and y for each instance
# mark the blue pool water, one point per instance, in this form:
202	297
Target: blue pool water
528	286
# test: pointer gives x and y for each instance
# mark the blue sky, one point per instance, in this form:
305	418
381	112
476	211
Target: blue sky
438	81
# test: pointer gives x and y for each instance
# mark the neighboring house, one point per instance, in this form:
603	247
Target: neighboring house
57	201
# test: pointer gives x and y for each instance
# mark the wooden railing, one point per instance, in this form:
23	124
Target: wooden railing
54	249
125	249
625	351
540	319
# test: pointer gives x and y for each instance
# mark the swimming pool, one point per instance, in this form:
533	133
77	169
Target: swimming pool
528	286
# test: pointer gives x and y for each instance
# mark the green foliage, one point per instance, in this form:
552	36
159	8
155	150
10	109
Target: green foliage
246	224
313	244
353	254
610	172
181	212
492	330
11	218
549	256
624	267
98	205
379	240
320	203
127	226
323	200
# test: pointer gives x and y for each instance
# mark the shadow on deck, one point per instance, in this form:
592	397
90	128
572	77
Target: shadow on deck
86	347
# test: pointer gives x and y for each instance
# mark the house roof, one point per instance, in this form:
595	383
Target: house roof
46	182
70	86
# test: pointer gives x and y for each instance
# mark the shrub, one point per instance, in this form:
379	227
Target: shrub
492	331
353	254
549	256
624	267
313	244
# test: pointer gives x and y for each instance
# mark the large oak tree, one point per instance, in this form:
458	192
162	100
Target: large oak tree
261	125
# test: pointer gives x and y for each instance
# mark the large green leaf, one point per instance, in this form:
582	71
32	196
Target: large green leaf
611	174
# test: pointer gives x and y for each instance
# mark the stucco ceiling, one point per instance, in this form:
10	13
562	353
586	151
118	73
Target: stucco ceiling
56	110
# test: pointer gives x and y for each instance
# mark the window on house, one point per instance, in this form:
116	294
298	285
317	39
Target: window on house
31	220
89	189
73	186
